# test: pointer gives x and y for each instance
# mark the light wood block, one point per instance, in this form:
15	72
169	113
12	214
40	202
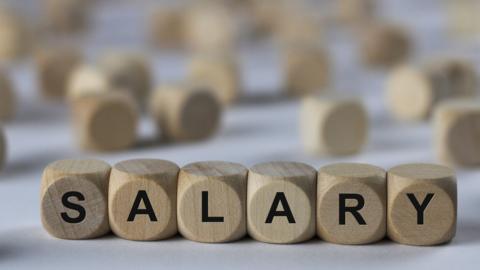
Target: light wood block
14	36
3	148
457	126
54	66
66	16
298	25
212	201
356	12
105	122
86	80
185	112
306	68
333	125
351	203
384	45
167	27
422	204
129	72
8	98
74	199
413	92
142	199
281	200
219	72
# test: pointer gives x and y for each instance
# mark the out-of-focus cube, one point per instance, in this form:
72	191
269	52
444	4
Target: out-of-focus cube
7	98
15	38
167	27
3	148
86	80
356	11
66	16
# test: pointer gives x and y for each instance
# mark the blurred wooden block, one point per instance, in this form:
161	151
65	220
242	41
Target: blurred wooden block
219	72
281	201
129	72
142	199
356	12
422	204
66	16
462	18
298	25
54	66
167	27
307	69
86	80
351	203
106	121
74	199
15	38
412	93
186	112
7	98
212	201
3	148
457	129
384	45
333	125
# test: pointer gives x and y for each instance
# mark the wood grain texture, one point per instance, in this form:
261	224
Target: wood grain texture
3	149
219	73
185	112
212	201
273	189
333	125
54	66
66	16
15	37
431	188
86	80
456	132
142	199
106	121
83	183
8	99
361	188
306	68
384	45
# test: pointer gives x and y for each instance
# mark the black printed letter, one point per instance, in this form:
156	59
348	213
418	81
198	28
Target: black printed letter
420	207
343	197
205	217
142	196
280	198
70	205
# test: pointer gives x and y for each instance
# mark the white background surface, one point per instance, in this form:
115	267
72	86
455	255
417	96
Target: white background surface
251	133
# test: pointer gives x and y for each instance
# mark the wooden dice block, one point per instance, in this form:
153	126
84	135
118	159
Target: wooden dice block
333	125
384	45
298	25
351	203
356	11
3	148
142	199
129	72
422	204
74	199
307	69
219	72
457	127
54	67
281	200
86	80
7	98
167	27
185	112
66	16
212	201
412	92
14	36
105	122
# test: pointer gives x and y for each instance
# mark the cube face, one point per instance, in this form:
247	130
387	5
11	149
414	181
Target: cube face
212	201
74	199
421	211
281	202
385	45
351	203
143	199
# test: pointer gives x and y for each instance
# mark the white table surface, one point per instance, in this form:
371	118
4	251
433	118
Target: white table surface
251	132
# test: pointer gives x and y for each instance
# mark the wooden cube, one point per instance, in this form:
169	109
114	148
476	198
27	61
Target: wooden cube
333	125
142	199
356	11
306	68
54	66
351	203
413	92
86	80
106	121
14	36
3	148
457	125
66	16
384	45
281	200
185	112
167	27
298	25
7	98
74	199
212	201
129	72
422	204
219	72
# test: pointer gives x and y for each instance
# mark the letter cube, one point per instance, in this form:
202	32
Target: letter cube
86	80
166	27
351	203
142	199
281	200
66	16
212	201
74	199
422	204
15	36
7	98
